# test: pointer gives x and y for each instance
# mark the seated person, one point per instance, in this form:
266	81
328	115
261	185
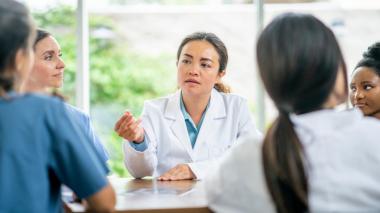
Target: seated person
365	83
47	74
313	157
183	134
41	148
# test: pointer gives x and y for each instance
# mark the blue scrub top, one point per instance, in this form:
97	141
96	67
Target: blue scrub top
41	148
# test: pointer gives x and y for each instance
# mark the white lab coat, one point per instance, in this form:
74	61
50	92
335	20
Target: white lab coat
342	164
227	118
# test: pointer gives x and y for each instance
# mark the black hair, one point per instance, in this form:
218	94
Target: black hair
12	39
371	58
298	59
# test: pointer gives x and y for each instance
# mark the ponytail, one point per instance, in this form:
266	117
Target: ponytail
221	87
284	168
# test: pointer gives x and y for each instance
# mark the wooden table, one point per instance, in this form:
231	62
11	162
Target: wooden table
148	195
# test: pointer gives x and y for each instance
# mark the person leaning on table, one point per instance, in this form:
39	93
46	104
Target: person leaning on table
183	134
313	158
40	147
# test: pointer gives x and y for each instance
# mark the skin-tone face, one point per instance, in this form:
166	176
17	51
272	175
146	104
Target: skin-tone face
48	67
365	91
198	69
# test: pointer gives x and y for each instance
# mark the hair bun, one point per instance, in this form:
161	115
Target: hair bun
373	52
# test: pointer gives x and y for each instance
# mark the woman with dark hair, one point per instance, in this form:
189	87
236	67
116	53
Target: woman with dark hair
47	76
183	134
365	83
40	147
313	158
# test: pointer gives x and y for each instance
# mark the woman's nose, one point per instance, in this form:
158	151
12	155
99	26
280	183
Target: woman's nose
61	63
358	94
194	70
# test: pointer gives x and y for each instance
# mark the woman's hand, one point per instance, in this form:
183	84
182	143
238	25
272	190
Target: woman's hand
129	128
179	172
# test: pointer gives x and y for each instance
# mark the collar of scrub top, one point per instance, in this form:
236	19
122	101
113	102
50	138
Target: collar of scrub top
11	94
192	129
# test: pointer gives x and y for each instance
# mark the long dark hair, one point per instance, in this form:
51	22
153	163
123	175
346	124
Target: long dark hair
12	39
298	58
371	58
219	47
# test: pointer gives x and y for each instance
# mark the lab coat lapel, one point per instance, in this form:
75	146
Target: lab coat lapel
216	110
178	127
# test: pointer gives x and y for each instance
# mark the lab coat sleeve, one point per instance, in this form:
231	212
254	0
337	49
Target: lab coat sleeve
141	164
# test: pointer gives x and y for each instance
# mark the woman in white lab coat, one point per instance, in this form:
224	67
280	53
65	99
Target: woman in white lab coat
182	134
313	158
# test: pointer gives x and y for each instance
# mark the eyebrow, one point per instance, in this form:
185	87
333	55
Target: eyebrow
202	59
50	52
367	82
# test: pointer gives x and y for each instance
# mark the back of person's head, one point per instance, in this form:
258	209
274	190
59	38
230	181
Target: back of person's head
298	59
16	29
220	48
371	58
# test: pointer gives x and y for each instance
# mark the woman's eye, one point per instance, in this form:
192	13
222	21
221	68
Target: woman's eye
185	61
60	55
367	87
353	89
206	65
48	57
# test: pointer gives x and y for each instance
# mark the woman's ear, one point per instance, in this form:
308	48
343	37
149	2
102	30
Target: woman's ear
221	74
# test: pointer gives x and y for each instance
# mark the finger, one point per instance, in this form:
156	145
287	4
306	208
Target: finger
124	125
166	175
135	124
133	127
131	132
125	116
163	178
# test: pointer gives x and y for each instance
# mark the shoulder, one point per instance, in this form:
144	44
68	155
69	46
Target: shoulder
76	112
230	100
41	102
247	149
161	102
240	175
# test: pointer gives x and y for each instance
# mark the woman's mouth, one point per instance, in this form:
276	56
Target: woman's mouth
192	81
360	105
58	75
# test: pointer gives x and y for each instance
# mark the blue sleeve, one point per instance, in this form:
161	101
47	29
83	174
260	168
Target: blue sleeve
95	140
84	120
140	146
73	158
